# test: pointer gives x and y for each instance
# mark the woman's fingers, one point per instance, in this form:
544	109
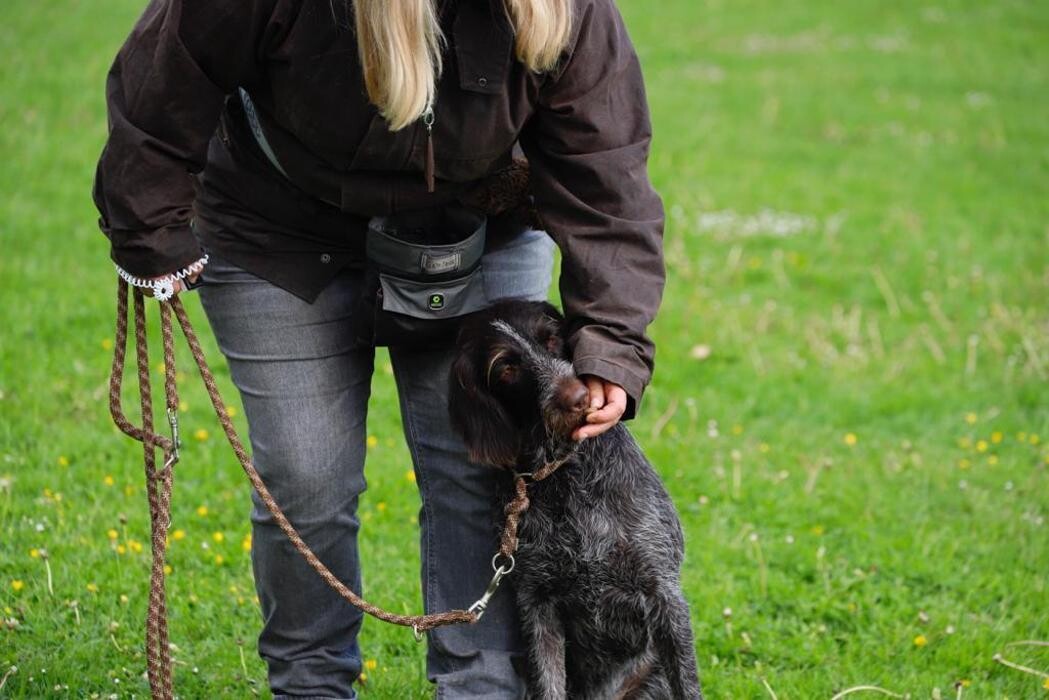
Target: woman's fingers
613	405
596	387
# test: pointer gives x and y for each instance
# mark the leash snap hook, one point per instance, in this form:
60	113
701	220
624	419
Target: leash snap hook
501	570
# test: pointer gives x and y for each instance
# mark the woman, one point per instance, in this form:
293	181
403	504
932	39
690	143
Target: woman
254	139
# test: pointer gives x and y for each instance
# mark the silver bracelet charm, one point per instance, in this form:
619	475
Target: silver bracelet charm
163	287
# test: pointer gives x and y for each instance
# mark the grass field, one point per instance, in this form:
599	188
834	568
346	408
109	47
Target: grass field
850	407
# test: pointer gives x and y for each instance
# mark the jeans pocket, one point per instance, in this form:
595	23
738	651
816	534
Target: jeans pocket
221	271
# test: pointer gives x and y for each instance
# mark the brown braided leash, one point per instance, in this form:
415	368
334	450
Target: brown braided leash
159	483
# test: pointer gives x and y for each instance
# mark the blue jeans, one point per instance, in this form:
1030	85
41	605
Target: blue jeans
305	386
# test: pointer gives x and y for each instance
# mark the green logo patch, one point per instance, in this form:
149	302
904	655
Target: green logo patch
436	302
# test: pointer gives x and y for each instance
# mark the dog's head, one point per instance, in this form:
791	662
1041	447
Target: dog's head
512	385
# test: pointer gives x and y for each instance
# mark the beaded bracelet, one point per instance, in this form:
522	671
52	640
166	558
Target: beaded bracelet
163	287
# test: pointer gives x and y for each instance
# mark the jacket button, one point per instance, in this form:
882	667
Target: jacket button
482	81
325	258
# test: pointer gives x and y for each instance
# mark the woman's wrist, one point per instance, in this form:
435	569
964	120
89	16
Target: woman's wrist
166	286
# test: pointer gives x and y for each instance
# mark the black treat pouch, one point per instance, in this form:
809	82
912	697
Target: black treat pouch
423	275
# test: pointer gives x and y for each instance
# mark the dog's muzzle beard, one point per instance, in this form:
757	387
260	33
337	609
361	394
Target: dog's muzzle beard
564	401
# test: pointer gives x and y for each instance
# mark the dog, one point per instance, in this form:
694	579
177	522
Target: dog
597	573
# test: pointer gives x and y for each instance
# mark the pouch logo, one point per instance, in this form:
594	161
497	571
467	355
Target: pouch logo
436	302
438	264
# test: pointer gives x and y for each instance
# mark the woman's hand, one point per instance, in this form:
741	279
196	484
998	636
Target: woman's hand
179	285
607	405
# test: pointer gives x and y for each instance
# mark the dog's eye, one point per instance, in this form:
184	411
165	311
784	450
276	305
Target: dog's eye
507	373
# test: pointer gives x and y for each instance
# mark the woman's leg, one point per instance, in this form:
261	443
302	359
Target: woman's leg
460	518
305	391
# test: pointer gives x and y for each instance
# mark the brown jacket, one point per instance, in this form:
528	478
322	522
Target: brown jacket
180	158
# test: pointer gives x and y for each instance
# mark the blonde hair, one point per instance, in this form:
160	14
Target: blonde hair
400	41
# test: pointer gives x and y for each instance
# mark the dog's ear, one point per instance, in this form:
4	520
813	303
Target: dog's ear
478	416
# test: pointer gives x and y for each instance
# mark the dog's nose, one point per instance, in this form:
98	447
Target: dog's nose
574	396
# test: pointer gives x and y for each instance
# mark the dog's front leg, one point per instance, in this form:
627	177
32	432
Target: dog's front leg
546	649
672	635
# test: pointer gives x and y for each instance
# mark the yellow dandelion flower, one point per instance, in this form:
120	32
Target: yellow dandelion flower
17	585
371	664
121	549
410	475
1045	684
107	343
129	490
362	678
246	543
123	599
161	367
970	418
202	511
965	682
992	460
178	535
373	441
381	506
135	546
1034	439
183	406
200	434
920	641
817	530
413	520
168	569
92	588
218	536
231	411
850	439
981	445
34	553
219	560
108	480
63	461
996	436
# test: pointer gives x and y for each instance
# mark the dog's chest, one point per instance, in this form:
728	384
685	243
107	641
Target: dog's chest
570	535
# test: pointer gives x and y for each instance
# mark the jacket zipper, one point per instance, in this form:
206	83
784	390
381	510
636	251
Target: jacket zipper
430	167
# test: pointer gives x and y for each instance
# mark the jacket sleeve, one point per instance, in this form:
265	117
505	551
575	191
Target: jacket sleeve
587	145
164	95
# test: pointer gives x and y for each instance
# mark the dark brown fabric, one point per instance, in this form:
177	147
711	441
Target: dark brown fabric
181	170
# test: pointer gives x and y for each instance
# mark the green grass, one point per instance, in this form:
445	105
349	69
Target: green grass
857	244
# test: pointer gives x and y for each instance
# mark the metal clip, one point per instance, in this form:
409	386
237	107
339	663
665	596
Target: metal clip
502	570
176	442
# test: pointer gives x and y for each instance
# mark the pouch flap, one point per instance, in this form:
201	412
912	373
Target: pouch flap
433	300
